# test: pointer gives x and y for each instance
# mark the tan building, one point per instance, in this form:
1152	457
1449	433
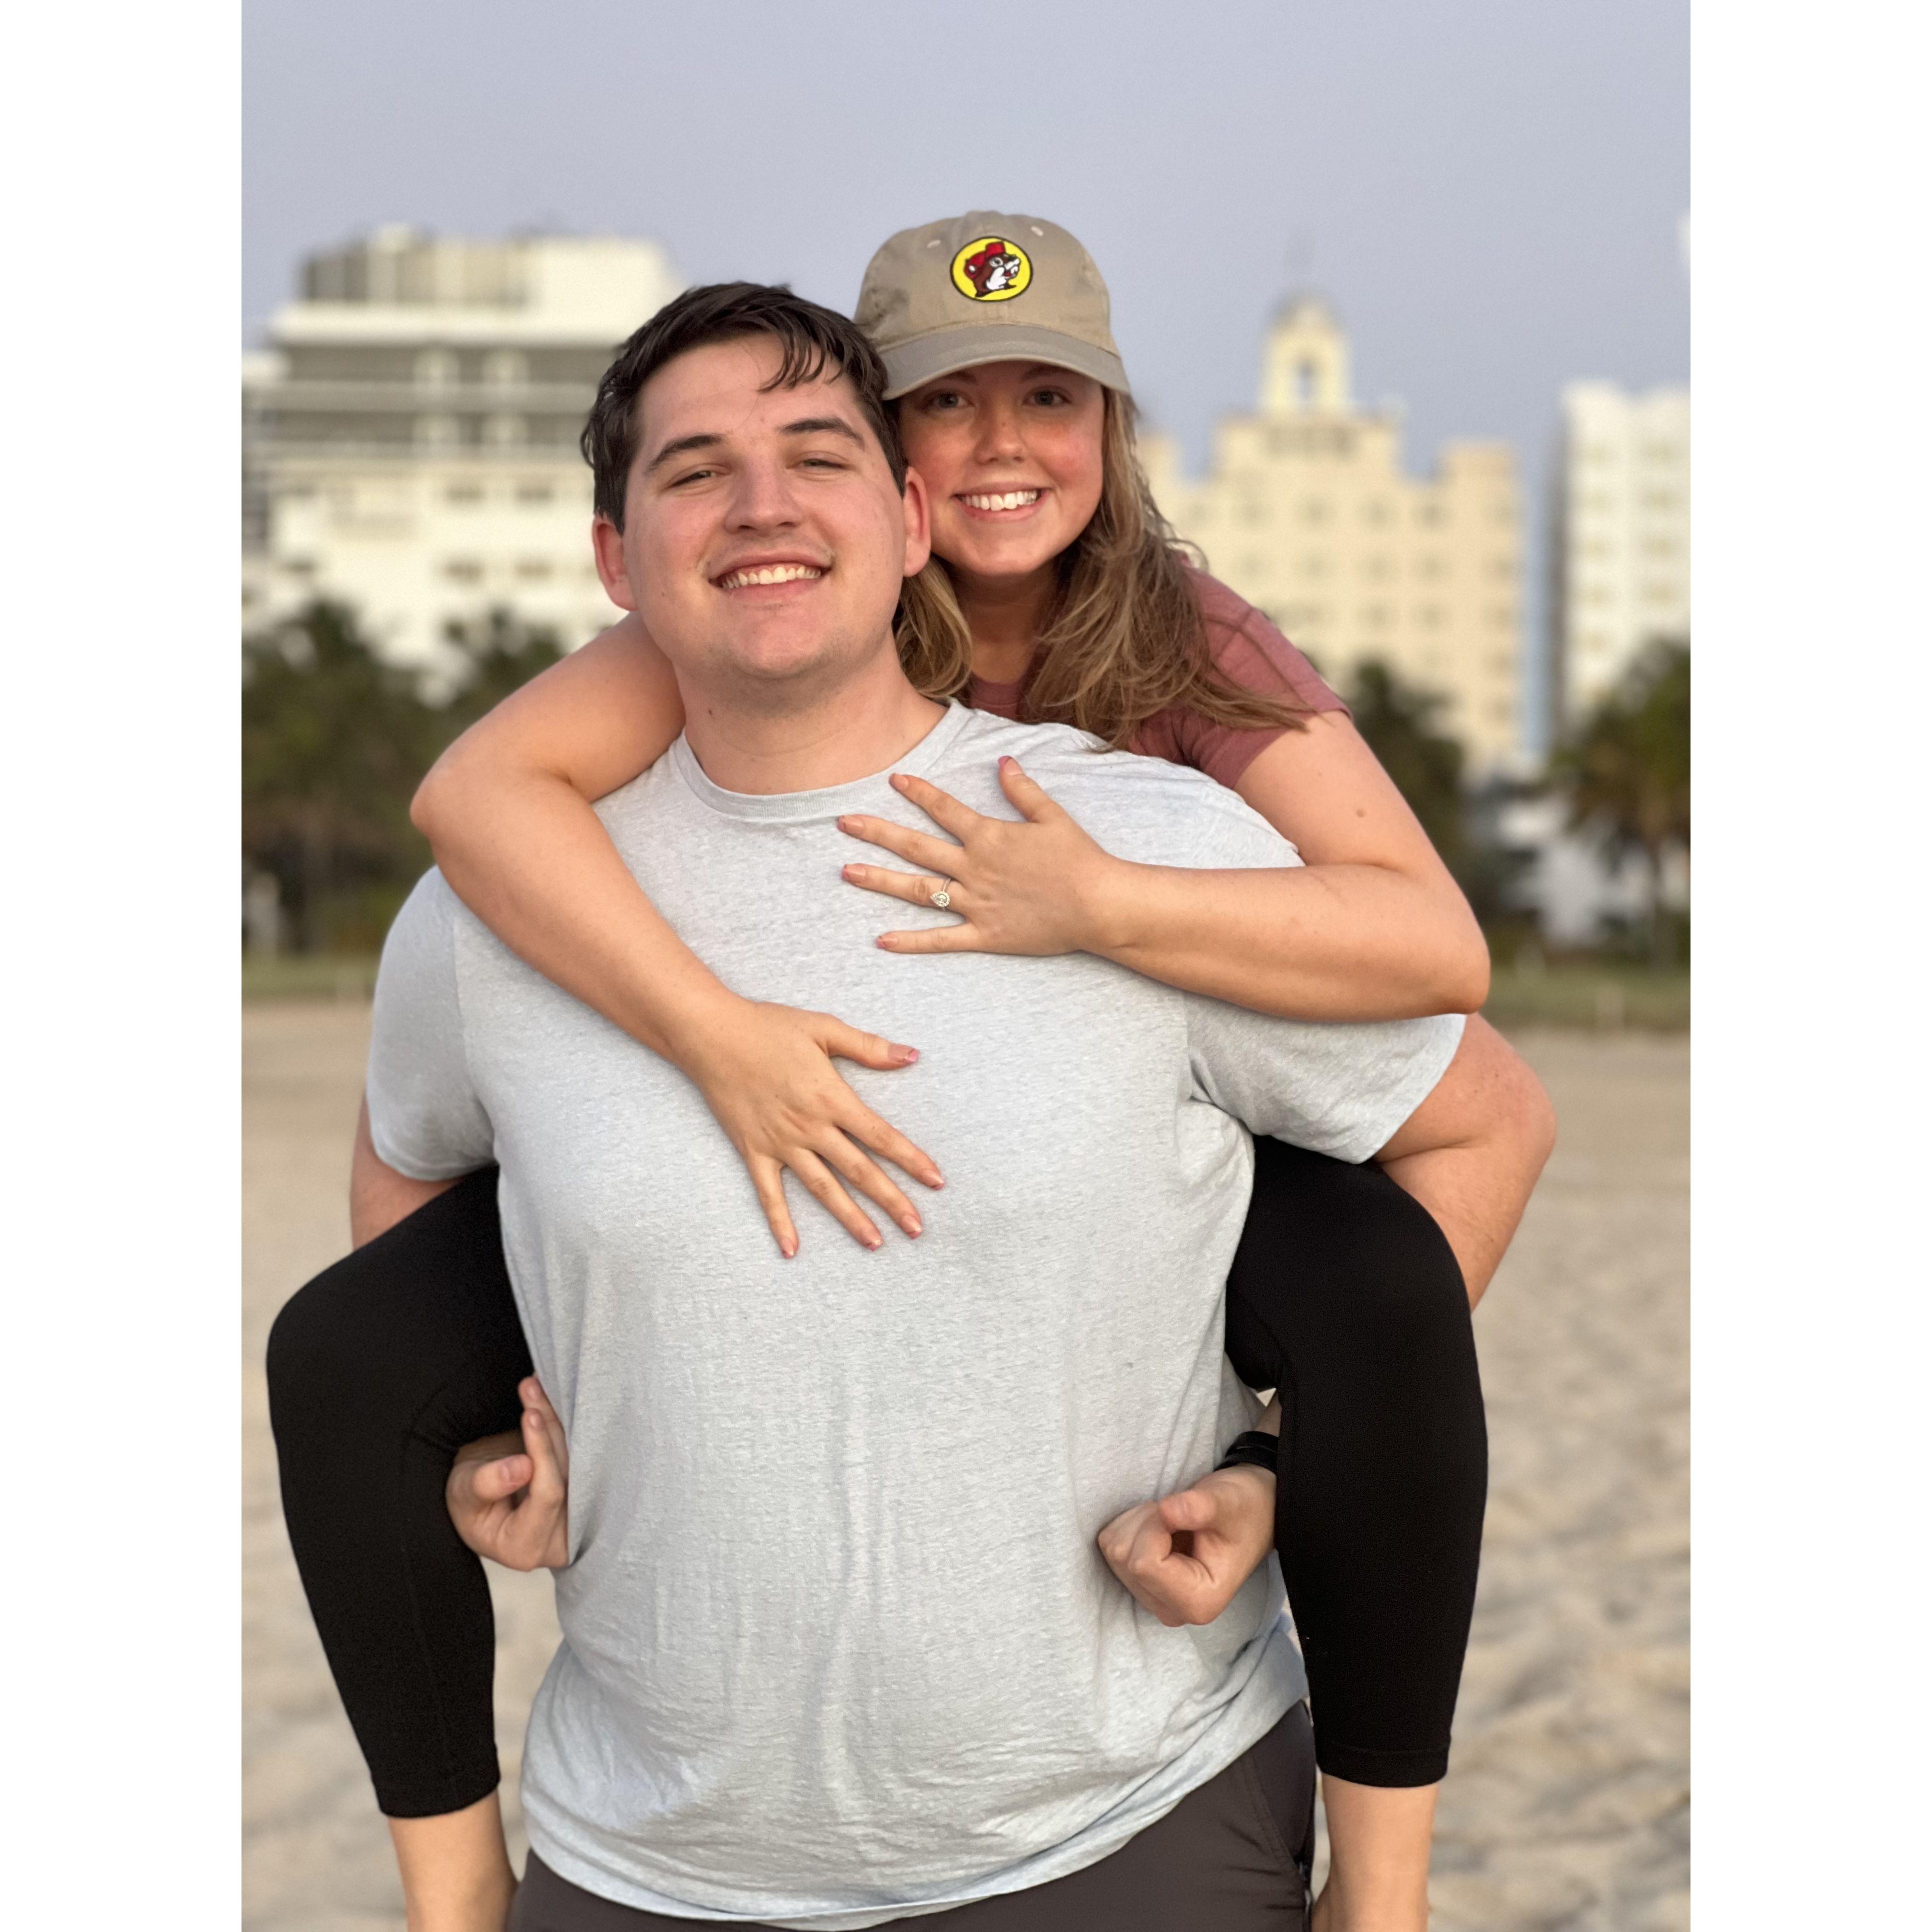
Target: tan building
410	433
1623	534
1305	510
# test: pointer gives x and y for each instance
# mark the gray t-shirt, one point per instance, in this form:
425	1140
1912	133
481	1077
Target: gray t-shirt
838	1644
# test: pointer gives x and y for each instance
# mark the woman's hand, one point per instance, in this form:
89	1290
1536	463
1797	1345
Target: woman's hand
1184	1557
1031	887
766	1072
509	1496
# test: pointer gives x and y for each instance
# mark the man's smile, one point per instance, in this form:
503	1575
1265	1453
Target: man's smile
763	574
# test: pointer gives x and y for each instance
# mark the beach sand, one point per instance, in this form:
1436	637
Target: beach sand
1568	1800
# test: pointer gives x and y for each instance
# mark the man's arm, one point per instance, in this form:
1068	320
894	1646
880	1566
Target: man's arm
379	1197
1471	1152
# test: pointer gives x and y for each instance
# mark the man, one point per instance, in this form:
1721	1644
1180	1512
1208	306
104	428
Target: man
834	1654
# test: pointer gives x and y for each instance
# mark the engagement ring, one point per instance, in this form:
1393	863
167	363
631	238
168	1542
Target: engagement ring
943	897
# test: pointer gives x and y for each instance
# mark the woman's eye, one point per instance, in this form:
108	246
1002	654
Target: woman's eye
1048	398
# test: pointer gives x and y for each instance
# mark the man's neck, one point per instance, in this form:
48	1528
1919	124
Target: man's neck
861	726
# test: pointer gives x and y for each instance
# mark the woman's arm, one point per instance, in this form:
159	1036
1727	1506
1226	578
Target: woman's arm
1371	927
507	811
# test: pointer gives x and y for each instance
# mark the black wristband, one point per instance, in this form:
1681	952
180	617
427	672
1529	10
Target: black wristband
1256	1446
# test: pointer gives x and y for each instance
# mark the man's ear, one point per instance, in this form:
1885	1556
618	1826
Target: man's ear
918	523
606	545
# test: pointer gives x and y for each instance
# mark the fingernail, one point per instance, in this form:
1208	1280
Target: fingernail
876	1242
899	782
907	1055
883	944
913	1226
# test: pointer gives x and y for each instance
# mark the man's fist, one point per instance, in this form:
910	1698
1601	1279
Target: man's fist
1185	1556
509	1496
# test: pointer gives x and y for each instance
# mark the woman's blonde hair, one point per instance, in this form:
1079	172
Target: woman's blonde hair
1125	639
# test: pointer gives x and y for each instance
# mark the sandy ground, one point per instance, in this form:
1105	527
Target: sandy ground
1567	1801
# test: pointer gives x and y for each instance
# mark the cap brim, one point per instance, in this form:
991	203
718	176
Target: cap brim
945	350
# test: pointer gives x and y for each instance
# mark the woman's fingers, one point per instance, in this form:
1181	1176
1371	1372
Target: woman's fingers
869	1049
862	1171
941	807
921	848
885	1140
824	1190
915	888
964	937
768	1179
1033	800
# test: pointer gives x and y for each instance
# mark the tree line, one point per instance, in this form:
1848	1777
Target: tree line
335	739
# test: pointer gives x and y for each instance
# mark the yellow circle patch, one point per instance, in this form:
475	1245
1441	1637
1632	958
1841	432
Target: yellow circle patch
991	268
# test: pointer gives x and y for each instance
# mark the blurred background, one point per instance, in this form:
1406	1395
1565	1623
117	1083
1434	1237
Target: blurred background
1404	292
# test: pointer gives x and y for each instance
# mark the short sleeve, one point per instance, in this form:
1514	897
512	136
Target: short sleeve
425	1117
1340	1088
1249	652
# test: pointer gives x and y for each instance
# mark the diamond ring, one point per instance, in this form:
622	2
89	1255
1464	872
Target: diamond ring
943	897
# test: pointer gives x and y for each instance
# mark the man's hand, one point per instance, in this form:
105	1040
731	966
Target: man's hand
509	1496
1185	1556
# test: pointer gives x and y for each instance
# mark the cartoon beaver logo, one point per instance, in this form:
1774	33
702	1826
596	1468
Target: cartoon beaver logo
991	268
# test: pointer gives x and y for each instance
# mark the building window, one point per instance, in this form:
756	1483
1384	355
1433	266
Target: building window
1430	514
1430	616
533	567
535	492
463	570
437	369
503	432
1376	617
504	369
1375	511
439	432
463	493
1314	510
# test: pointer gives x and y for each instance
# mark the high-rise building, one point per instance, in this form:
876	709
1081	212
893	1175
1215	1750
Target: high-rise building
410	431
1305	510
1621	544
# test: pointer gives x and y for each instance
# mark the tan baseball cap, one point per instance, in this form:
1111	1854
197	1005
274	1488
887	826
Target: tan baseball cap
986	288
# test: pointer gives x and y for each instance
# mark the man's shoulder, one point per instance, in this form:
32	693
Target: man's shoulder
1172	808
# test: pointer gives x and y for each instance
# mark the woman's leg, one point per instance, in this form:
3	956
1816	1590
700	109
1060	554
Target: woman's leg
378	1370
1344	1295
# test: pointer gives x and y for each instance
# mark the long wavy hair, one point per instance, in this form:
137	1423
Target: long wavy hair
1124	638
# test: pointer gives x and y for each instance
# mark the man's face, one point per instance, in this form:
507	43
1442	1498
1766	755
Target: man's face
764	540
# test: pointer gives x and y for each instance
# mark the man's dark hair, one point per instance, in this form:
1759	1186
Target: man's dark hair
817	341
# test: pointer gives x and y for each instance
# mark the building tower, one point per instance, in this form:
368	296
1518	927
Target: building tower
1622	540
1305	510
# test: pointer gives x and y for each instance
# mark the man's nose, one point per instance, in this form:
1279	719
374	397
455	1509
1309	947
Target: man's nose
765	497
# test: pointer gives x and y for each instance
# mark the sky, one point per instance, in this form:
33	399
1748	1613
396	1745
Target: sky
1491	194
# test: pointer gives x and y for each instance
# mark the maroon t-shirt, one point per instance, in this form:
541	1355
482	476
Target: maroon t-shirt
1248	651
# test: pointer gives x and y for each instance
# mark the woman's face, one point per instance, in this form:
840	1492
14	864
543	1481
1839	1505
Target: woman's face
1010	453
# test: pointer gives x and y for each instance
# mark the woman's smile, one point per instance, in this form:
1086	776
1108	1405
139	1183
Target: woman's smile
1001	506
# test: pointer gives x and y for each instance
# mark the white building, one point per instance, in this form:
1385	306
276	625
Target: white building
1622	537
1306	511
410	432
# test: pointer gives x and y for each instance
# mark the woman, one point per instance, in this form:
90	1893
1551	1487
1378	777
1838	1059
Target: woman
1055	593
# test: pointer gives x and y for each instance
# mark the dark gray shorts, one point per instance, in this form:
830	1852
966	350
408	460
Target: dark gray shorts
1232	1856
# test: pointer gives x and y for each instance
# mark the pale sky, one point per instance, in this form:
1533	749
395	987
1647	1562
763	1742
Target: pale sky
1489	193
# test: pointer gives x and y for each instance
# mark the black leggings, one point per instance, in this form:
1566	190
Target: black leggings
1344	1295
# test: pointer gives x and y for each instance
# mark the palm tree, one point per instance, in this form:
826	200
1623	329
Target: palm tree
1627	769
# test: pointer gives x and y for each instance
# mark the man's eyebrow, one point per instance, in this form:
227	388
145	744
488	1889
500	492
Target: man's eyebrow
683	446
820	425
